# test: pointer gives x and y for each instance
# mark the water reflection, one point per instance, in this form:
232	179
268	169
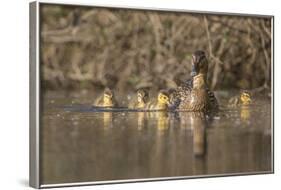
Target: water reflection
197	123
84	145
161	118
245	113
107	120
141	120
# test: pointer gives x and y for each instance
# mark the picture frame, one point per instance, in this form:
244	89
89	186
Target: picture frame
37	92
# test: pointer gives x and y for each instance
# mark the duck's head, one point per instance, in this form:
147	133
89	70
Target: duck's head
245	98
163	97
199	63
107	96
142	95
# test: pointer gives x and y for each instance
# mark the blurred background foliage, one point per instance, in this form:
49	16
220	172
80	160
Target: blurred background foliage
90	48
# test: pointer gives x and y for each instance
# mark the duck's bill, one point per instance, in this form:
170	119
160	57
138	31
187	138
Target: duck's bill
193	71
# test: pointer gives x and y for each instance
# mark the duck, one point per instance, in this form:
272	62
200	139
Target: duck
187	96
141	101
107	99
244	99
161	103
198	98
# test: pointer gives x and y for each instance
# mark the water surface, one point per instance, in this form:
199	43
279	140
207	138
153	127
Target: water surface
80	143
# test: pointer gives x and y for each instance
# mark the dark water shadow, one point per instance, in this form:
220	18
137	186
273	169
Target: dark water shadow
87	108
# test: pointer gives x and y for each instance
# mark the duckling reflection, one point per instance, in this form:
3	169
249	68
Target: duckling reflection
107	120
160	146
162	119
141	120
245	113
196	122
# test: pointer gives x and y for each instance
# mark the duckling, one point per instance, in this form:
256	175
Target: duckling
162	102
141	101
243	99
106	99
183	94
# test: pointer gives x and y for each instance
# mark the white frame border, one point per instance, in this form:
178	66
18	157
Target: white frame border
34	142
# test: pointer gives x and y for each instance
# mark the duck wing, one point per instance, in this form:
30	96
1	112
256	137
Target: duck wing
180	94
183	92
213	102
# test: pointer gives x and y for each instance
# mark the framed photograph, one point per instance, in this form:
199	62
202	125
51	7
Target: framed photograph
133	94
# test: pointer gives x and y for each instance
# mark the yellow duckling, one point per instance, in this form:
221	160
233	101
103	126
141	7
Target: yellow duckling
141	101
106	99
161	103
243	99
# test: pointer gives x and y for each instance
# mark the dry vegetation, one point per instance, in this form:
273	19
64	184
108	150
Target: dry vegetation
126	49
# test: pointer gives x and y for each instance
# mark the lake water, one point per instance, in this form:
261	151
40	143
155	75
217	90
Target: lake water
80	143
